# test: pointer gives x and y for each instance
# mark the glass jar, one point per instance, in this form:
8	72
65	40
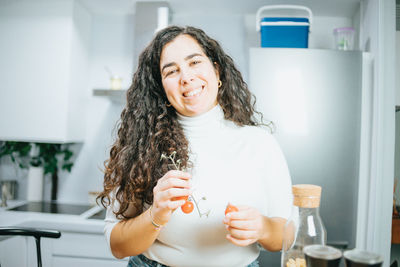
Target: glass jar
304	227
116	83
362	258
322	256
344	38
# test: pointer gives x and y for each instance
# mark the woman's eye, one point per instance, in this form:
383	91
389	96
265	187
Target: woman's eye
170	72
195	62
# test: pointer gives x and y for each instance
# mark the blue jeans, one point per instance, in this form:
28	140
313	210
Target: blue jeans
142	261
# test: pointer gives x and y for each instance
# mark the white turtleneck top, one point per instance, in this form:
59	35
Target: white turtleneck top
240	165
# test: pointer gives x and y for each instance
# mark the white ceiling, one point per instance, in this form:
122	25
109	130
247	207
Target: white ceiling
336	8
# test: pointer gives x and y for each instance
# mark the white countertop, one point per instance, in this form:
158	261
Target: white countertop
61	222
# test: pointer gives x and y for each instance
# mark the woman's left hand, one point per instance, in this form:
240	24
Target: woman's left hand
245	226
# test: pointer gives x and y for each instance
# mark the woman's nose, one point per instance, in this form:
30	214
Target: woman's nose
187	76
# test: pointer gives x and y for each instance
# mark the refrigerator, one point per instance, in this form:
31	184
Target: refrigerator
314	98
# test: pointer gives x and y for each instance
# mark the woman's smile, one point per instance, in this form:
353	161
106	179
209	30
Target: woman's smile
193	93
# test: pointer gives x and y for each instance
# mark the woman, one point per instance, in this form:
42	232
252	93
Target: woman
187	146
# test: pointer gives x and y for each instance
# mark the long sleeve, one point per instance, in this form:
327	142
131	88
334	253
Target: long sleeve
278	182
110	221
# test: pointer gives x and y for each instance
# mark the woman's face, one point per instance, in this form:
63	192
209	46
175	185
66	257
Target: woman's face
188	76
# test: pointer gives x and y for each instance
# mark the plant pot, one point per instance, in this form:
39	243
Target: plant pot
35	184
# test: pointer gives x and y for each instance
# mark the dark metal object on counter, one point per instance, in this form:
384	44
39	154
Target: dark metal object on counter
361	258
99	215
8	190
53	207
4	196
322	256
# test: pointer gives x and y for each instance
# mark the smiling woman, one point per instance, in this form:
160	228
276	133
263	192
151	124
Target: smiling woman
186	139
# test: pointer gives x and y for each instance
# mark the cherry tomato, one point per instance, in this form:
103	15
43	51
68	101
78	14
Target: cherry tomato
187	207
181	198
230	208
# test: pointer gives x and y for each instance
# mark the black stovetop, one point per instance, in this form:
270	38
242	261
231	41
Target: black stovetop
53	207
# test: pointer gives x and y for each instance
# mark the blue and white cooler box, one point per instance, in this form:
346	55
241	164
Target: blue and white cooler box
285	29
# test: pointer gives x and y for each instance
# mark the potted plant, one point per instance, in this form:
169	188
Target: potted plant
45	155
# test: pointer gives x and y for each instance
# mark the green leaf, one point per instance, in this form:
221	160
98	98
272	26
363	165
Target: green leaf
47	155
67	166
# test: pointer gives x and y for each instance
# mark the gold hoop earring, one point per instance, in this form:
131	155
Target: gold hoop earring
219	83
168	104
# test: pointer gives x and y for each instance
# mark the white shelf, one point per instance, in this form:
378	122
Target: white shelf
118	96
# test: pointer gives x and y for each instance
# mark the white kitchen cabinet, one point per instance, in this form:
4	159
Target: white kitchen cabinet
13	252
81	249
82	245
71	249
44	63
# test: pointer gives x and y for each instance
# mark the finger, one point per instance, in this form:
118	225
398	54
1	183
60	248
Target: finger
174	182
170	204
240	242
243	224
177	174
242	234
172	193
162	210
243	207
244	214
173	205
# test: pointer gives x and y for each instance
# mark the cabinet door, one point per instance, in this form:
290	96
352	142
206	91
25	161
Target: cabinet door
13	252
42	63
82	245
81	249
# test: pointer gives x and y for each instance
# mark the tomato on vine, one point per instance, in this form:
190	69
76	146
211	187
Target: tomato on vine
187	207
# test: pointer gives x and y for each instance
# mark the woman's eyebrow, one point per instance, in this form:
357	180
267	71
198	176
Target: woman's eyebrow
193	55
186	58
168	65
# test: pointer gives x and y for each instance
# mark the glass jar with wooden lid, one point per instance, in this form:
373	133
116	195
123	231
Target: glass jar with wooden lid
304	227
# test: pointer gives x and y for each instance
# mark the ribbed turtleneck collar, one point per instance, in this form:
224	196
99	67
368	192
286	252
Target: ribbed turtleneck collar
204	124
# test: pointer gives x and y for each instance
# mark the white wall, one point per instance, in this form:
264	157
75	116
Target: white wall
79	68
227	29
397	142
112	46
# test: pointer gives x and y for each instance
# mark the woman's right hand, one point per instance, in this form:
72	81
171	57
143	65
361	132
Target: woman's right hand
172	185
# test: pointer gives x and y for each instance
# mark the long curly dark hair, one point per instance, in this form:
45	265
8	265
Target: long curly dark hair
148	128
